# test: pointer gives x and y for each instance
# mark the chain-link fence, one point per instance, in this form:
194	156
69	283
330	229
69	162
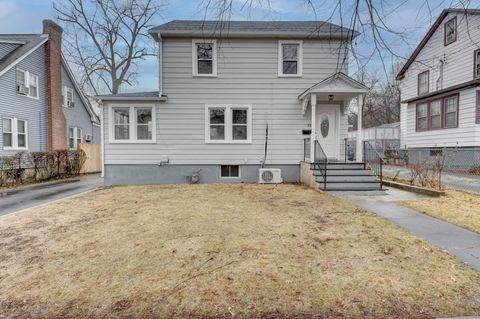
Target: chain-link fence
456	167
383	146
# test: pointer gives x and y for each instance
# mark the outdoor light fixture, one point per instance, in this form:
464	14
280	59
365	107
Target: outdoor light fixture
330	97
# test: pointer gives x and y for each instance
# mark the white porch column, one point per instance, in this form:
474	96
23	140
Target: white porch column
313	137
359	150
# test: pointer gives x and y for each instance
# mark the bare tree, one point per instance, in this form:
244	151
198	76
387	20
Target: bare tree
105	39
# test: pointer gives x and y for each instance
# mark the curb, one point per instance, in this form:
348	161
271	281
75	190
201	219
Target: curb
9	191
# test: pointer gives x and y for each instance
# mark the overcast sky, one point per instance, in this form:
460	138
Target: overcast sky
410	16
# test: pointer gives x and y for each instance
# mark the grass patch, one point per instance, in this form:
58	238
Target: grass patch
222	251
457	207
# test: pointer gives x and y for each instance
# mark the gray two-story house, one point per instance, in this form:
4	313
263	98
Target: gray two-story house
235	98
41	105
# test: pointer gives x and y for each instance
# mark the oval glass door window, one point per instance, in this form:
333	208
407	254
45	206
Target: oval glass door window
324	125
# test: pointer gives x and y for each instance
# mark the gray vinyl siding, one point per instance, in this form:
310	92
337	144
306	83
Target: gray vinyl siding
78	115
6	48
247	74
457	69
32	110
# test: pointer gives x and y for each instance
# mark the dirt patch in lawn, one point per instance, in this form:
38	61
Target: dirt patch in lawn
222	251
457	207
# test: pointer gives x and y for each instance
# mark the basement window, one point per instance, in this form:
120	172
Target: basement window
229	171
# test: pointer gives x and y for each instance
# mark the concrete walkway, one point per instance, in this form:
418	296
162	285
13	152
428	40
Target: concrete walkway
462	243
14	200
459	181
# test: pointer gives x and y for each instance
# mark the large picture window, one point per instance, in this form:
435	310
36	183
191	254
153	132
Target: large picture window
290	56
438	114
14	133
204	55
228	124
131	124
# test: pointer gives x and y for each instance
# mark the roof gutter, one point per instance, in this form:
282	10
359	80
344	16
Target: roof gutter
103	98
465	85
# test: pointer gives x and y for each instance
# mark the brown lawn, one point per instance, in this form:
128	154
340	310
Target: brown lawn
222	251
457	207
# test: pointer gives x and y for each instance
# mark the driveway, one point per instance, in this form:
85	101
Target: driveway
12	201
458	181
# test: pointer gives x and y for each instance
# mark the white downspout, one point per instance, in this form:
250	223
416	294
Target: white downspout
102	139
160	65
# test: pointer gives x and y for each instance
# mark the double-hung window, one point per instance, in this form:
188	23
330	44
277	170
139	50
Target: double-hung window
438	114
228	124
290	58
204	55
476	64
132	124
423	82
451	111
14	133
75	137
27	83
450	31
422	116
68	97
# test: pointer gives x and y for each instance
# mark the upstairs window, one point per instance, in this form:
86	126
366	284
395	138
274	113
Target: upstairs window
290	58
14	133
423	82
132	124
228	124
476	64
68	97
450	32
204	58
27	83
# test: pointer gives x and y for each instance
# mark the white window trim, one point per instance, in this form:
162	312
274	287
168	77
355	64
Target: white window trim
27	84
228	123
15	134
299	58
195	60
132	125
75	136
66	89
229	177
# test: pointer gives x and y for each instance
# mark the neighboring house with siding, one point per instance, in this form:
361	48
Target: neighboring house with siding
440	85
41	105
223	87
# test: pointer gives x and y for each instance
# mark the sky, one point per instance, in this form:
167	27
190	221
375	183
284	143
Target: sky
411	18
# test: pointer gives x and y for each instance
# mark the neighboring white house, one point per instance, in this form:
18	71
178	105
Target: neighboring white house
440	84
222	88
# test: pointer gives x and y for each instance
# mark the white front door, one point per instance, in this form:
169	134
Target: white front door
327	128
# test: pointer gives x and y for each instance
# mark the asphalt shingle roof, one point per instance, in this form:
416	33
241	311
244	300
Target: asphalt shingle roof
302	29
27	43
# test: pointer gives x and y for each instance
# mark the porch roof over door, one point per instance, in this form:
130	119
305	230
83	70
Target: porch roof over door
338	86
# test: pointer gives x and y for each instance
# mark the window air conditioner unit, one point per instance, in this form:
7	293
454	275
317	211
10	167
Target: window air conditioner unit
270	176
70	104
22	89
88	138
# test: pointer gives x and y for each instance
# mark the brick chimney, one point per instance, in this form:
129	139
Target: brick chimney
56	122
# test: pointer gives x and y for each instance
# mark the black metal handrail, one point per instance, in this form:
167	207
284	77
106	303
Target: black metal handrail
320	162
374	160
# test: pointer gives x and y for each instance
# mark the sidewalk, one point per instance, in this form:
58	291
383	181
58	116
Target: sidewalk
462	182
463	244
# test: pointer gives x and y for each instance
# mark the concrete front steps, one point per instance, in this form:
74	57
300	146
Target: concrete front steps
345	177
